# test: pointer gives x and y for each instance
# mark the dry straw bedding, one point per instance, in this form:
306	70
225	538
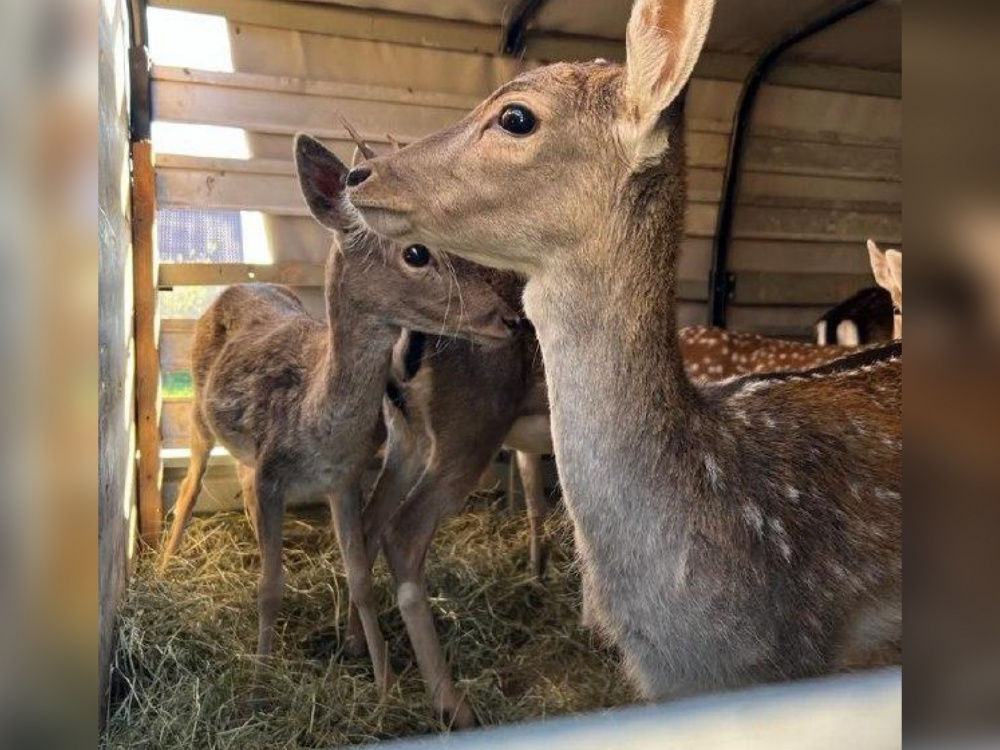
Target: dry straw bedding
185	675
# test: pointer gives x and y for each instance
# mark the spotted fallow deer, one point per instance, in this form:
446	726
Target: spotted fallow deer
716	353
296	401
728	533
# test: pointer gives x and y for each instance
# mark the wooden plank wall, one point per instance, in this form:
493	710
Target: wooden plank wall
116	422
823	169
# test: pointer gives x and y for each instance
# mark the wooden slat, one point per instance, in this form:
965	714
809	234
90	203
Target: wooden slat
281	109
708	150
756	288
291	273
286	105
315	87
144	267
270	186
480	39
811	224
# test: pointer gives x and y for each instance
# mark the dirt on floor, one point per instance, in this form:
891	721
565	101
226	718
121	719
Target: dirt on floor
185	675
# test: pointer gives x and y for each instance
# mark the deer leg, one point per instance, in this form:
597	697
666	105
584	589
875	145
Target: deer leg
402	466
347	519
201	447
532	479
246	475
405	546
270	514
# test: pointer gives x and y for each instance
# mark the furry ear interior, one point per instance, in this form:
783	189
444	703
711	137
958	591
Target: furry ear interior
322	177
880	266
895	260
663	41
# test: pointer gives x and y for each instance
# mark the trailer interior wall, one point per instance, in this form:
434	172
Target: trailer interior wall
823	169
116	422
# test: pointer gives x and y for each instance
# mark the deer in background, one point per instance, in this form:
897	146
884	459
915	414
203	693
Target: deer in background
716	353
296	401
887	267
729	533
873	314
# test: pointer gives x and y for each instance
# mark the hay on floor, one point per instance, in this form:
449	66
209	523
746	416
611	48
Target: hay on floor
185	675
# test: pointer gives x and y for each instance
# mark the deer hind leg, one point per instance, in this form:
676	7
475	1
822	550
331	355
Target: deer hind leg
201	447
347	519
270	514
405	546
249	492
533	481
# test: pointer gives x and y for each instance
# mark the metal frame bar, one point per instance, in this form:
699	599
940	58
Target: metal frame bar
515	33
720	281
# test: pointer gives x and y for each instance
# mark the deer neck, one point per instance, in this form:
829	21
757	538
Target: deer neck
355	363
622	406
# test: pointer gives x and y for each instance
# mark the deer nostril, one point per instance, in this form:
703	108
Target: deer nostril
513	322
358	175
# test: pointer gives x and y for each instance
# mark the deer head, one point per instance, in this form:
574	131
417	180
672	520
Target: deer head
554	156
410	286
887	267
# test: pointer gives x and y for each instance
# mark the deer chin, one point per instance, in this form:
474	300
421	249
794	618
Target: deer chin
383	220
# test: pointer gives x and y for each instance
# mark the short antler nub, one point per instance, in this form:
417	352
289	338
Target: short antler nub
365	149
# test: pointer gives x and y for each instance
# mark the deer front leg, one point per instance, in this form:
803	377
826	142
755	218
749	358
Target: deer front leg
201	448
405	546
404	462
347	519
532	479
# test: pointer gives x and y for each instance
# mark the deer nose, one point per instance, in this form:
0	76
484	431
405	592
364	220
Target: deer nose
358	175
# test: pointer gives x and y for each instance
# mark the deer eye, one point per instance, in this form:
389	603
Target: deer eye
416	256
517	119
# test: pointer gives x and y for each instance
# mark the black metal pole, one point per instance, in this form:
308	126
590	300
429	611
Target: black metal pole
515	32
720	283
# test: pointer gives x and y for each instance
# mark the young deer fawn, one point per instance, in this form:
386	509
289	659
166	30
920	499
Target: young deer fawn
730	533
296	401
451	406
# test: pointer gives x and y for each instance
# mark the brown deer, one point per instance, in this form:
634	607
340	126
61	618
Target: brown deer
296	401
450	407
729	533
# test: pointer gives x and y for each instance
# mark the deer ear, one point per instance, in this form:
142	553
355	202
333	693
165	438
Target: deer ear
880	266
322	177
663	40
895	260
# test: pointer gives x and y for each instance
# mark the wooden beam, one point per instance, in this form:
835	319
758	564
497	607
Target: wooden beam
477	38
292	273
144	269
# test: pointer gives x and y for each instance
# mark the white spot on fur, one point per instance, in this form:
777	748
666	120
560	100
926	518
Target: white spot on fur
712	470
792	493
753	516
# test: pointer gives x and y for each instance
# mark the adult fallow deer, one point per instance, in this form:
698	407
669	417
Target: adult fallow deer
730	533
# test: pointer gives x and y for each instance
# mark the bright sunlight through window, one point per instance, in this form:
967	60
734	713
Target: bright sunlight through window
189	40
200	140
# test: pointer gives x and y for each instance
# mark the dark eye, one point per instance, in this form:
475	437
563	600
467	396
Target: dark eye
416	256
517	119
